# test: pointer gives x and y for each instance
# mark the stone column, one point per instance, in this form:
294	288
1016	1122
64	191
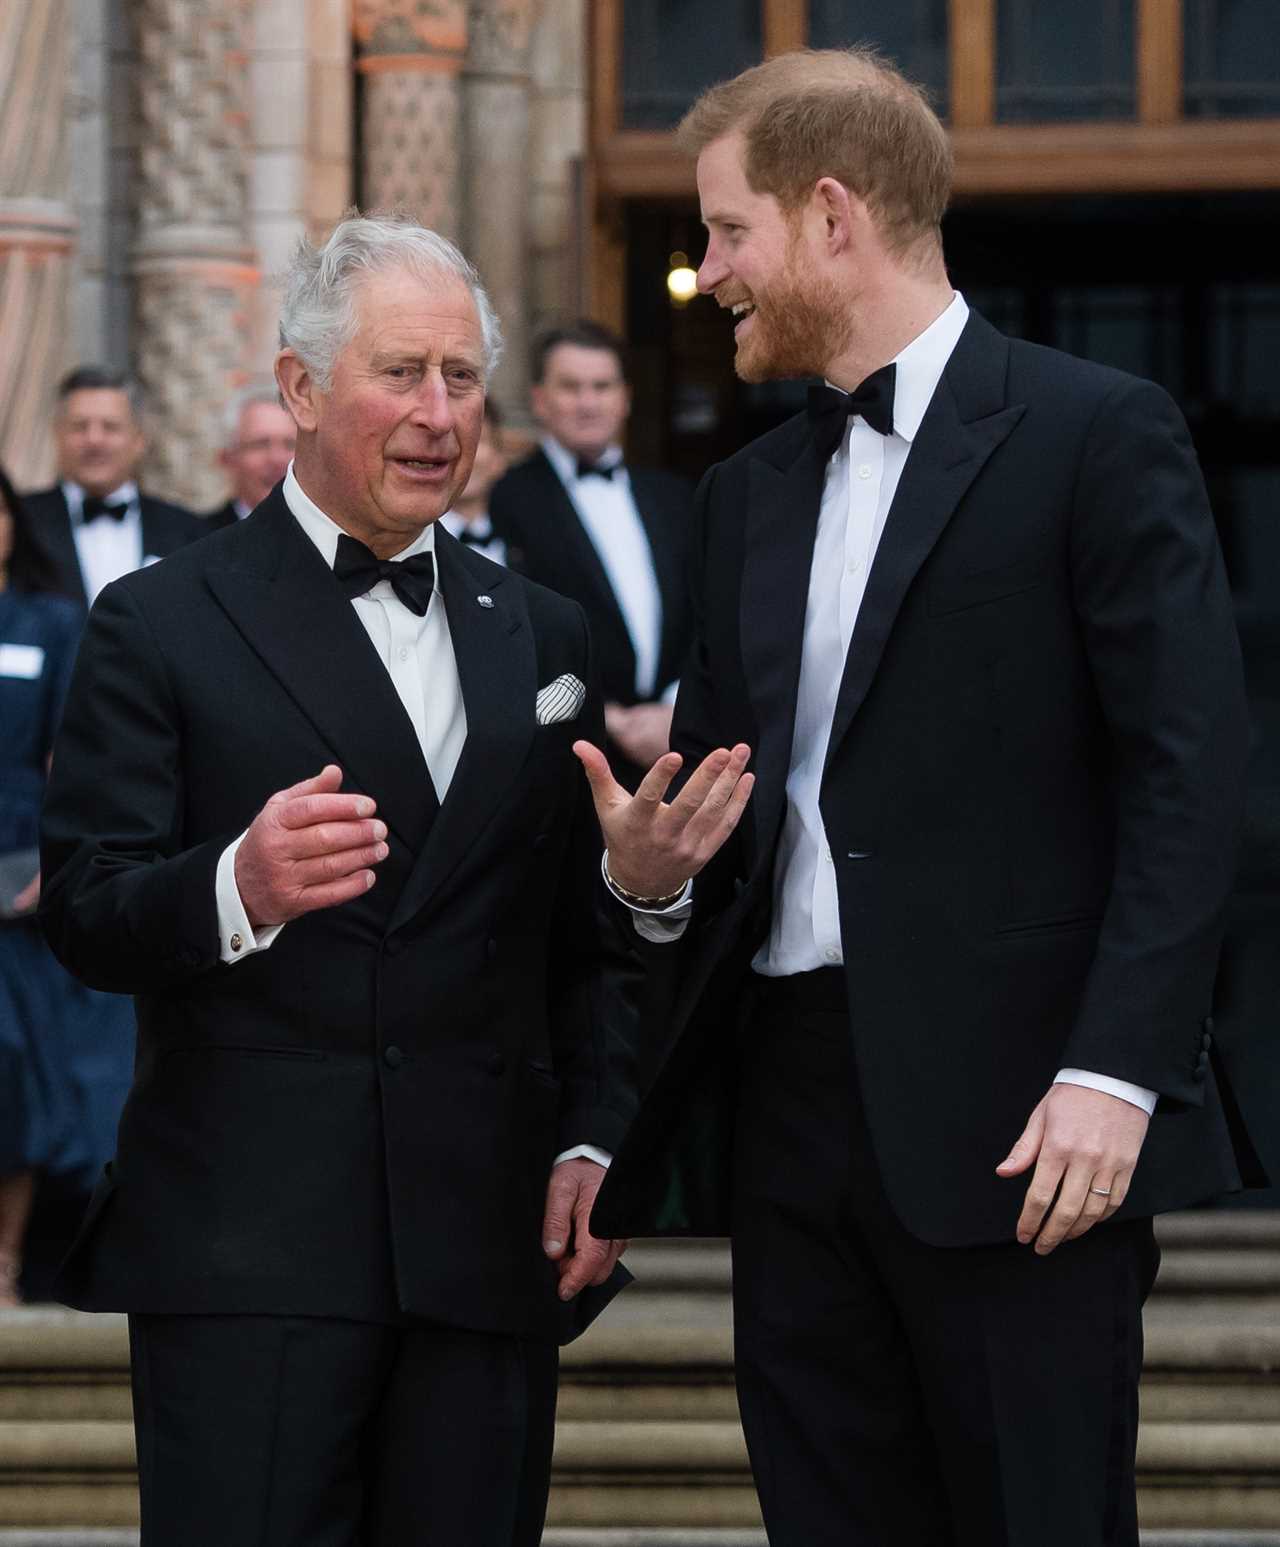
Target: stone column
410	61
37	230
193	267
496	235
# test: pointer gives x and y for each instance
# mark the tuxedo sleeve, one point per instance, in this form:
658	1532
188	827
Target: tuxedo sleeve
126	905
1157	625
596	981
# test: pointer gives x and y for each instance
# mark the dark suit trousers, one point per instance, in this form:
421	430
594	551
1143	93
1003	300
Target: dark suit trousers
896	1394
259	1431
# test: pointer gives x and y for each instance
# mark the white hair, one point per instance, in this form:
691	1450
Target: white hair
264	391
318	316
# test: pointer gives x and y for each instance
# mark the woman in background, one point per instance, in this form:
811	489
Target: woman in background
65	1051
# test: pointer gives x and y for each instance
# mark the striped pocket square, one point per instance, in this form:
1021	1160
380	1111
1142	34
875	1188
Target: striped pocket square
560	700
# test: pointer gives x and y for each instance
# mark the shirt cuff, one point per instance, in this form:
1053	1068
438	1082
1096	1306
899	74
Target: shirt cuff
236	937
669	692
586	1152
1136	1095
661	926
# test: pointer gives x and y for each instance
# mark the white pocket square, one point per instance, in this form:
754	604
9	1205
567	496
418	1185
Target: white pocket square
560	700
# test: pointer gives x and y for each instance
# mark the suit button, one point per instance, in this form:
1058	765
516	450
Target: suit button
394	946
496	1064
541	840
393	1057
1209	1027
1206	1042
491	948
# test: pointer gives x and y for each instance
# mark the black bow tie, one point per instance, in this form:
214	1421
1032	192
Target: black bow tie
94	507
596	469
357	571
829	408
476	535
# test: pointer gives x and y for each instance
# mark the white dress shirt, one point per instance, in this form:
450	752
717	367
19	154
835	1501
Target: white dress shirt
418	655
481	537
862	478
105	547
607	509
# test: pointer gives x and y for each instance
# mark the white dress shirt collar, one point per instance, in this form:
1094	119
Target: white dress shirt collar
324	532
920	366
565	461
74	494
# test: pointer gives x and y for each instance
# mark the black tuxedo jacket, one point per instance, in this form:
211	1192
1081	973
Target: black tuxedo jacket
225	515
165	529
359	1121
1031	795
547	542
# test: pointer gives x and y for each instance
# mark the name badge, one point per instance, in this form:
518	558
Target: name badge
26	661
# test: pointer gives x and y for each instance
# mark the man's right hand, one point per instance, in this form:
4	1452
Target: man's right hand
308	848
656	846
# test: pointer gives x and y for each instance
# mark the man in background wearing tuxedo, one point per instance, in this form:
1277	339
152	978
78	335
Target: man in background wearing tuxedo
259	445
314	804
94	524
469	520
579	519
942	1038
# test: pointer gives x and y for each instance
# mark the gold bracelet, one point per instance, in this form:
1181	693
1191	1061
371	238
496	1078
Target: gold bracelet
655	904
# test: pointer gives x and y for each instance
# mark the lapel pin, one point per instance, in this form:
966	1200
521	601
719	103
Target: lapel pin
485	601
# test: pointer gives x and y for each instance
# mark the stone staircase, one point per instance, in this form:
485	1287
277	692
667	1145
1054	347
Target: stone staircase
649	1452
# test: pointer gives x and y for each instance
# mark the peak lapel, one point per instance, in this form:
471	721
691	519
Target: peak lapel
966	421
782	522
282	597
497	669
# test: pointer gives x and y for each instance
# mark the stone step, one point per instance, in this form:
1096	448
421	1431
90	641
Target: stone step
650	1452
710	1537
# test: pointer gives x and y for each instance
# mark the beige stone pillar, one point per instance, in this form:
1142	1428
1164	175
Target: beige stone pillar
193	267
410	58
496	236
37	230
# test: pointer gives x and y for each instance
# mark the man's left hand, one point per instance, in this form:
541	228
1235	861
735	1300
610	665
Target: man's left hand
566	1240
1084	1145
642	731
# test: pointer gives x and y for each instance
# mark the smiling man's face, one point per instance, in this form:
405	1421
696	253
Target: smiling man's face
760	264
389	446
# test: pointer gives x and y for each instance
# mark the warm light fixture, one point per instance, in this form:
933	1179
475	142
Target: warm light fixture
682	281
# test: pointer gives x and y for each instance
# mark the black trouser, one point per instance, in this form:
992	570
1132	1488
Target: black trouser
259	1431
901	1395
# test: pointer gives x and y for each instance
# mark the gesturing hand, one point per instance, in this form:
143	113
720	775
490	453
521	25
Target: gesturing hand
656	846
1084	1145
570	1193
29	896
308	848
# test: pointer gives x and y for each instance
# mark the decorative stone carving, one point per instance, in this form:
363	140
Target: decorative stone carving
37	230
496	221
193	268
411	54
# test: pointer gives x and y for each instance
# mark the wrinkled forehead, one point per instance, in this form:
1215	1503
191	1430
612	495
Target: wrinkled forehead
427	313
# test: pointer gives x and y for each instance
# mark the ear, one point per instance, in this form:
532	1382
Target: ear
837	210
298	390
537	400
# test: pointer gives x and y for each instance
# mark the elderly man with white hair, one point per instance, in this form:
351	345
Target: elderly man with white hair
258	442
314	805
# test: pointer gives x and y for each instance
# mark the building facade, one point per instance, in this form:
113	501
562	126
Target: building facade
159	158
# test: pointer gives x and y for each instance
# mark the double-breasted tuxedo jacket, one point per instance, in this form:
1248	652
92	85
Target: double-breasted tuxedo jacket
546	541
359	1121
1031	794
165	529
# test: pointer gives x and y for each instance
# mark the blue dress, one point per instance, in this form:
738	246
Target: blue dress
66	1051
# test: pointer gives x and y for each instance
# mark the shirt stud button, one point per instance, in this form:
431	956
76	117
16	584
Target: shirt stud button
864	471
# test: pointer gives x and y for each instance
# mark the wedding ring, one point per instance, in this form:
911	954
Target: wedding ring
1102	1192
